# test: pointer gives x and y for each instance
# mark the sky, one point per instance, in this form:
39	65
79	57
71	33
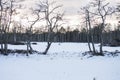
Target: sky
70	7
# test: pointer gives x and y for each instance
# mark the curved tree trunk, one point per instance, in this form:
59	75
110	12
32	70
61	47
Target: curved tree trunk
48	46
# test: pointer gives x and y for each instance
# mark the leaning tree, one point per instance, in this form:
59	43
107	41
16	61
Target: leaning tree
53	18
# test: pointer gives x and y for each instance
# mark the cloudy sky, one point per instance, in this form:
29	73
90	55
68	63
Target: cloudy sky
71	8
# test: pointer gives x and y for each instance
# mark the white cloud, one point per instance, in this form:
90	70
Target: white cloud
71	7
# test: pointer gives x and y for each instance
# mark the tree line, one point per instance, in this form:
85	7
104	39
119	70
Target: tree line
109	36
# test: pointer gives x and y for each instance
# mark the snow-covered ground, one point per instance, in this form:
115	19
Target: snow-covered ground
63	62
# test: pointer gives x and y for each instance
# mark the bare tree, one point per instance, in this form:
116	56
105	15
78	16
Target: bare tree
6	11
52	18
29	32
102	11
88	23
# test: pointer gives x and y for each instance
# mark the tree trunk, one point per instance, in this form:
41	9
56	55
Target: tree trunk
2	49
101	36
48	46
91	34
101	42
49	41
88	39
27	54
30	47
5	44
5	49
93	44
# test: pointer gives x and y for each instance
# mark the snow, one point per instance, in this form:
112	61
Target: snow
63	62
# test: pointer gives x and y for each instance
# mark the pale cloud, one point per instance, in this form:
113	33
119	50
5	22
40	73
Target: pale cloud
71	8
